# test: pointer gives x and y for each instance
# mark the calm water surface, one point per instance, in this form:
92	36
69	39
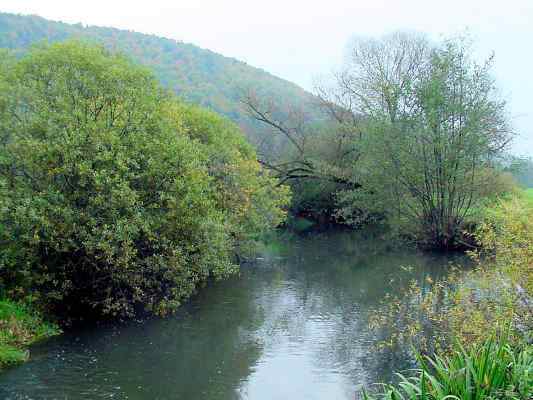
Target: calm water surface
293	325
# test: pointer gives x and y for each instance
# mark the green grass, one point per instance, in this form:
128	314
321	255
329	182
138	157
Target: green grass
491	370
10	355
20	326
528	195
488	205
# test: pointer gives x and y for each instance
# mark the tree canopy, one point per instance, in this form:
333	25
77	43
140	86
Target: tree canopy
414	132
115	196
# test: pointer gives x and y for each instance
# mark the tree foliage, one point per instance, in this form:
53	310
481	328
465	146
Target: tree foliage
521	168
431	134
413	134
116	197
253	200
316	158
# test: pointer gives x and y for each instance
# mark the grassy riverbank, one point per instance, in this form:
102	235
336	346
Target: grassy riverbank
494	369
20	326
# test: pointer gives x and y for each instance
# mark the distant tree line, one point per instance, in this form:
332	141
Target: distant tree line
196	75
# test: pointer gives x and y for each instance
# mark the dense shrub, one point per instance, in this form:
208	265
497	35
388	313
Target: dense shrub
493	297
106	203
507	239
251	199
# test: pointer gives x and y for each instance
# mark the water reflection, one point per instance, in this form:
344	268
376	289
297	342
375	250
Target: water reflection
293	325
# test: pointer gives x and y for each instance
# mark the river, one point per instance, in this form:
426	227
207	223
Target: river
293	325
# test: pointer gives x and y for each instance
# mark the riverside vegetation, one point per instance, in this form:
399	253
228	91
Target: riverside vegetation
491	370
413	139
416	140
119	199
20	326
473	332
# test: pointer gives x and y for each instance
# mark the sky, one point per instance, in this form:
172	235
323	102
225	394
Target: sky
301	40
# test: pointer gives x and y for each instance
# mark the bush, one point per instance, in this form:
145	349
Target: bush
249	196
107	205
507	239
496	294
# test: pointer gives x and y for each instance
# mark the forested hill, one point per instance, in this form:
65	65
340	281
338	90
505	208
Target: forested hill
198	75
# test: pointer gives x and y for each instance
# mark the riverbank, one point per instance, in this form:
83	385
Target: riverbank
492	355
494	369
21	326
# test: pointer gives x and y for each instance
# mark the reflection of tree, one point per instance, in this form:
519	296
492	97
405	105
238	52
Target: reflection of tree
309	307
202	353
335	279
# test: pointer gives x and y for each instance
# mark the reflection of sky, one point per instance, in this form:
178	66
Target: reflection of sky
298	360
315	338
298	40
293	326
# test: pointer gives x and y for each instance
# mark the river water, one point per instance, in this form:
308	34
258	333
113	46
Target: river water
293	325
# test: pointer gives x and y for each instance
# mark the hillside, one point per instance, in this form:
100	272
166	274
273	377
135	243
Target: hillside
197	75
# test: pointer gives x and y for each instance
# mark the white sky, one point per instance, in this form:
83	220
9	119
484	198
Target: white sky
299	40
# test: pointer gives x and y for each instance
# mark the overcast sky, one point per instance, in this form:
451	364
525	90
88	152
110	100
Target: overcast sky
299	40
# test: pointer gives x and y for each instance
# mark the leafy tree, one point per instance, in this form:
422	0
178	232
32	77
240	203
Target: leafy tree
109	206
521	168
315	158
252	200
413	133
431	134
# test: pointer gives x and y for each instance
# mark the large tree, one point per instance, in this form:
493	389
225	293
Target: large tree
434	123
114	197
413	127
